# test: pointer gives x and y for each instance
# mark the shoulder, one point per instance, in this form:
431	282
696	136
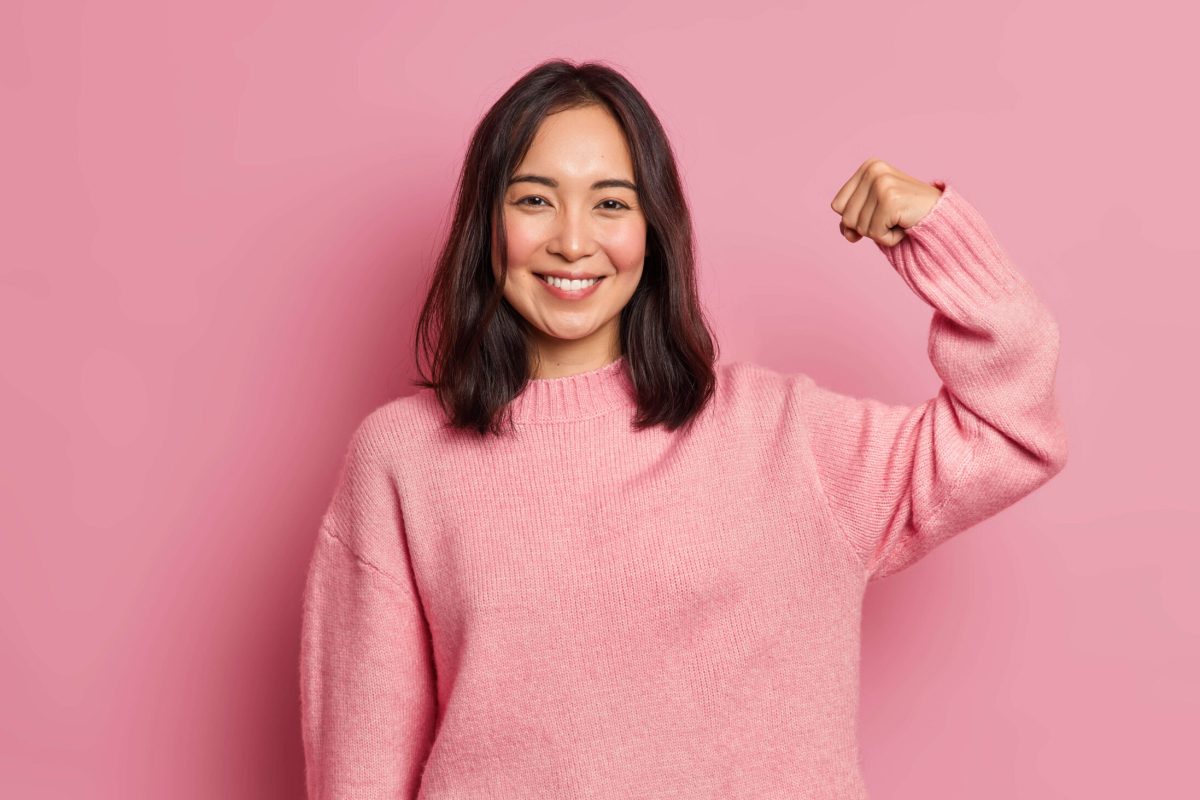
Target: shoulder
400	425
409	415
745	380
748	390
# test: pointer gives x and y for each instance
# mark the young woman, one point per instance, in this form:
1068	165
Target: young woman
583	560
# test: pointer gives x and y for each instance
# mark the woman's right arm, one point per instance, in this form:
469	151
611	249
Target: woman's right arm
367	688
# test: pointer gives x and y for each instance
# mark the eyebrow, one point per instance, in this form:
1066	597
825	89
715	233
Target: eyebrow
609	183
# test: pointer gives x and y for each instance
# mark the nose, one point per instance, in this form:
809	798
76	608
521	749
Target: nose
572	237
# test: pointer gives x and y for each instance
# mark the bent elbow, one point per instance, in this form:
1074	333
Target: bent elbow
1056	452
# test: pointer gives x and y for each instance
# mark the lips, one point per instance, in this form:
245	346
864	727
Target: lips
566	277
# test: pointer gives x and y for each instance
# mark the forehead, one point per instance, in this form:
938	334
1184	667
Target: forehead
579	143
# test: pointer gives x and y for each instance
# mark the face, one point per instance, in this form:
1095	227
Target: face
571	210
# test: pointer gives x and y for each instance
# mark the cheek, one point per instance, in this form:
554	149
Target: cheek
523	241
626	247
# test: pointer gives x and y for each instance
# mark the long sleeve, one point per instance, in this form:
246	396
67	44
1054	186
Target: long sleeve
902	479
368	700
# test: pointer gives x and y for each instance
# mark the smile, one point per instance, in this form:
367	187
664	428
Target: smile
569	290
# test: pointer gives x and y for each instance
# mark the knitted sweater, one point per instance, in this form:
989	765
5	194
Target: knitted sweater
582	610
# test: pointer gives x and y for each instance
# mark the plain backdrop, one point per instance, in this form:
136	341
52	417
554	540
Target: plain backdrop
216	228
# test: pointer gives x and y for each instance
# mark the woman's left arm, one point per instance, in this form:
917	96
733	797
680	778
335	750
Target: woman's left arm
900	480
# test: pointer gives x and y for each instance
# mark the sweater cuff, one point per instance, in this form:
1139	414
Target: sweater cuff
952	260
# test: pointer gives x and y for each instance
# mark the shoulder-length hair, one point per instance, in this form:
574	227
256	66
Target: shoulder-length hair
478	345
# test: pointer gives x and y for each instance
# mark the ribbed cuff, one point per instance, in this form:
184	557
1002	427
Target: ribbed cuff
952	260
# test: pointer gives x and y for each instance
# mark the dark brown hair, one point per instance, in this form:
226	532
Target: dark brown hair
478	345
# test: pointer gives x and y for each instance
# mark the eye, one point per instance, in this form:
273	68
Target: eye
619	205
531	197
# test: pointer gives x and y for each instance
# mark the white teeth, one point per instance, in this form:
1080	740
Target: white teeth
570	286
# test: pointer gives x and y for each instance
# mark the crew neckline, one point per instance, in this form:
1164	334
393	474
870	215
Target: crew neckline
572	397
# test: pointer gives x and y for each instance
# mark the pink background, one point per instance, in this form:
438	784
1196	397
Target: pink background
217	223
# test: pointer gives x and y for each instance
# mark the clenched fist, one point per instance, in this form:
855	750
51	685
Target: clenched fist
879	202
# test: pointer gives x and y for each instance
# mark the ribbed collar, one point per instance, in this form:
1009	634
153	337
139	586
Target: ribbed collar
578	396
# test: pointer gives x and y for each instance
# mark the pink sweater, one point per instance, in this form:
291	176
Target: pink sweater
586	611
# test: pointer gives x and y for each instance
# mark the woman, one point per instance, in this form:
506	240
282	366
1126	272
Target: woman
583	561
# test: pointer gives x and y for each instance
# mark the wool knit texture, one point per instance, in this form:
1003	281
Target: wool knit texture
583	610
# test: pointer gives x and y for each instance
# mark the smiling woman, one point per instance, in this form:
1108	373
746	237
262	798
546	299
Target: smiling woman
650	582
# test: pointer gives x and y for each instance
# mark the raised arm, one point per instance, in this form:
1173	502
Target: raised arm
902	479
367	689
